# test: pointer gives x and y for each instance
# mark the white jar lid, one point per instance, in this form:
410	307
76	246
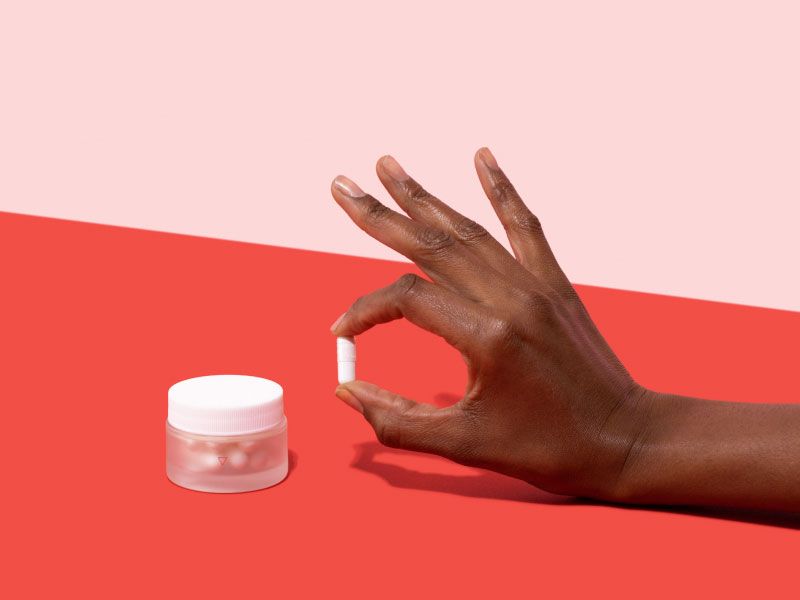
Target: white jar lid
224	404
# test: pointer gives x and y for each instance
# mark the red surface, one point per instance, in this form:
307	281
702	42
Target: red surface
98	321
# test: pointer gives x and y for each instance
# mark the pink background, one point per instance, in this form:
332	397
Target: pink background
658	142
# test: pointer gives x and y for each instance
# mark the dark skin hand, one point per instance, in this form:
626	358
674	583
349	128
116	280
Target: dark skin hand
547	400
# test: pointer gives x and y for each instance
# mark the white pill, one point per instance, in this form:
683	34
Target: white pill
208	461
237	460
346	358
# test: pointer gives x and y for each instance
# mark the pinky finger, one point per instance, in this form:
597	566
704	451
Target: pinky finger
522	227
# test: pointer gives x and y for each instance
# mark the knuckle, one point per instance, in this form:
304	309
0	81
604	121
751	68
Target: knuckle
473	328
500	335
503	190
434	242
527	222
376	212
469	231
534	301
416	193
406	284
388	434
538	306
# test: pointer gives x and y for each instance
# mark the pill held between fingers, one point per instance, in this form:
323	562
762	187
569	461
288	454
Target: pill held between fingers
346	358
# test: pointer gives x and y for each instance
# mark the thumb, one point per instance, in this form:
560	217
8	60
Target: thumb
402	423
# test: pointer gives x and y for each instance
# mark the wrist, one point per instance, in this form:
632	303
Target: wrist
656	439
629	435
677	450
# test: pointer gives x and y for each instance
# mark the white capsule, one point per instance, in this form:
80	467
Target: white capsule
209	461
238	460
346	358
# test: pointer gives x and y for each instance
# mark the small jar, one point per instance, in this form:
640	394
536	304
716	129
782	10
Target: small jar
226	433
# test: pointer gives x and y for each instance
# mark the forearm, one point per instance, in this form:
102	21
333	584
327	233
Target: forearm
701	452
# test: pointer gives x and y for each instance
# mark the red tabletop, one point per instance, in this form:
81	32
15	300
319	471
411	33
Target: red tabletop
98	321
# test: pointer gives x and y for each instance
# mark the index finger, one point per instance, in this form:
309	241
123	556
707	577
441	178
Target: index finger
427	305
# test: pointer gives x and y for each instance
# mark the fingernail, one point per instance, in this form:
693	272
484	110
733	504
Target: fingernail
337	321
348	187
488	158
345	396
393	168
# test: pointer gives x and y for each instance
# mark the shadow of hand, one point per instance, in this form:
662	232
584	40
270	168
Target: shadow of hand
490	485
482	484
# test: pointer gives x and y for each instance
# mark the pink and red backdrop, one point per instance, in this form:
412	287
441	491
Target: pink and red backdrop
658	142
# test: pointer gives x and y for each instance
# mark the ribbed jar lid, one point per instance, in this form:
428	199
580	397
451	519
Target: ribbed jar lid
225	404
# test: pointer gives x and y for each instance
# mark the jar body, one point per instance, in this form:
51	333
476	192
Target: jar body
227	464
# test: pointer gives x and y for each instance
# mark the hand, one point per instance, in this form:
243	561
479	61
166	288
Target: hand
547	400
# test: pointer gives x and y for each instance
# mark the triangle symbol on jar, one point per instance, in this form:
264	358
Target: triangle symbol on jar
222	459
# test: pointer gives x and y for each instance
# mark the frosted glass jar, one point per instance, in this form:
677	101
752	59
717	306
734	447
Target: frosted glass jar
226	433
